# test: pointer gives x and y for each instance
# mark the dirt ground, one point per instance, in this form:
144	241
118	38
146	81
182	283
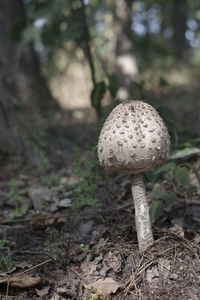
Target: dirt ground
51	247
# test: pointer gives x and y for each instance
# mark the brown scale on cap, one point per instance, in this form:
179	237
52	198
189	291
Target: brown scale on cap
133	125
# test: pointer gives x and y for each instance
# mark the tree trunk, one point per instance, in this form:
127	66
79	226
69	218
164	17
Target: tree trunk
24	95
126	67
180	11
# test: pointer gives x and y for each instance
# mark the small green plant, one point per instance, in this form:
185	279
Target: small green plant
85	248
126	181
162	200
6	262
19	209
178	172
15	195
6	244
51	179
44	166
87	171
14	163
52	243
15	183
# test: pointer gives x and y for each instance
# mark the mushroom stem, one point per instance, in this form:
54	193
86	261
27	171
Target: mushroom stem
142	218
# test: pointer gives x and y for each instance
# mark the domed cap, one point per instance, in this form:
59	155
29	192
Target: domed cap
133	139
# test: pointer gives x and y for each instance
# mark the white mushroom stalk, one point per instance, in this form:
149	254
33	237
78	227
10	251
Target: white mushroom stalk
134	139
142	218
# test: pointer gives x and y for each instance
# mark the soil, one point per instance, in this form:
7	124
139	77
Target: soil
52	249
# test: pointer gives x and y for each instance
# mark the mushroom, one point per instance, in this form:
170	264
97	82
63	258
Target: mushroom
134	139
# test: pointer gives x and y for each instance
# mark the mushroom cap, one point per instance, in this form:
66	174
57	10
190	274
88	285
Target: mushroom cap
133	139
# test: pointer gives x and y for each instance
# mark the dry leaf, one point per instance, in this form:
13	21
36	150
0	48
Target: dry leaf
152	276
55	297
114	262
89	268
96	296
197	238
107	285
177	230
22	281
164	268
4	274
24	265
192	293
103	272
158	273
101	244
43	292
65	292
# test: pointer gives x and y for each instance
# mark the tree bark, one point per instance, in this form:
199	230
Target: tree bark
180	11
126	67
24	95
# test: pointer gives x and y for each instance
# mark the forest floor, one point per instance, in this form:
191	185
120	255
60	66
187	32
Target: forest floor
67	230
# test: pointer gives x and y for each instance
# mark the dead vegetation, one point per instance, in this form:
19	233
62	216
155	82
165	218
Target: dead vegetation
53	249
110	268
67	230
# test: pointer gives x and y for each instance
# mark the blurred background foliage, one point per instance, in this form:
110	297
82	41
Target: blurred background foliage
92	53
160	31
120	47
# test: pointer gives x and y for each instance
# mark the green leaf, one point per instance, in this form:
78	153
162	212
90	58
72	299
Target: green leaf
165	167
193	169
182	175
184	153
156	210
113	84
125	182
190	143
170	198
159	193
151	176
98	94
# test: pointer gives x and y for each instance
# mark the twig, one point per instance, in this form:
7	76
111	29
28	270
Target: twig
137	276
8	297
7	290
102	211
30	269
87	43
